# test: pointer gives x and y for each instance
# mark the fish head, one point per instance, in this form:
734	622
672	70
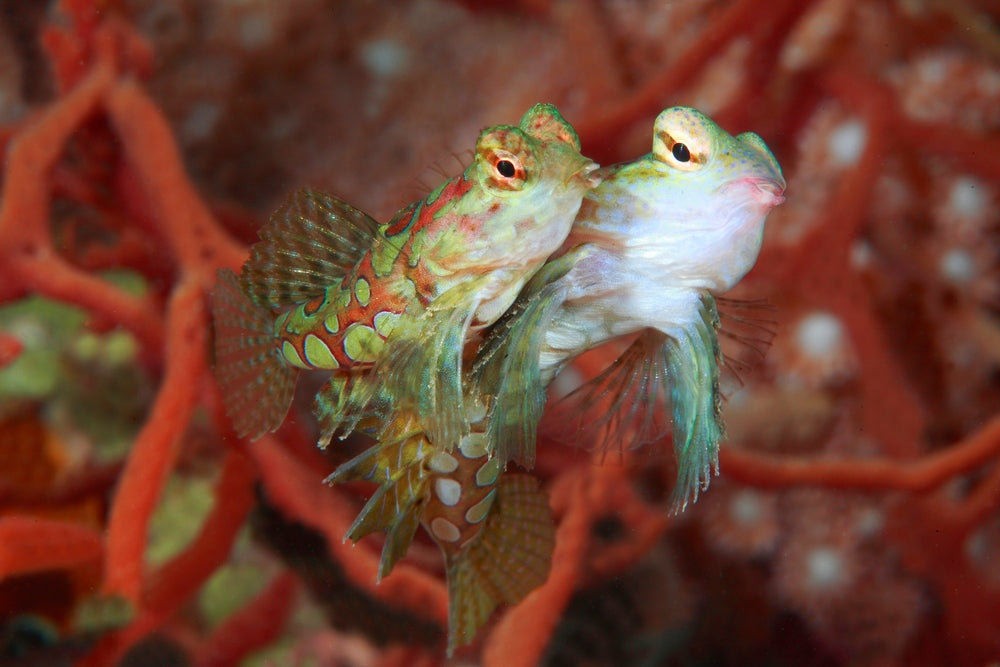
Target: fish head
724	188
528	183
690	213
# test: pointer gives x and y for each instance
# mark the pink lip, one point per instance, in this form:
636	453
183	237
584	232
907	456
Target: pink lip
769	192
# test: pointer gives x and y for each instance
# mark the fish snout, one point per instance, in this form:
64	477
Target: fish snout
768	191
589	173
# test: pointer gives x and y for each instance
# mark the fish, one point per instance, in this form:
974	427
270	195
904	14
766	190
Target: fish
385	308
651	251
657	230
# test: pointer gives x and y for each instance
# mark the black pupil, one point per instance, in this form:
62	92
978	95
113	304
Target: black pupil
681	153
506	168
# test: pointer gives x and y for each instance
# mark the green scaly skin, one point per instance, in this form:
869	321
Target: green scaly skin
329	288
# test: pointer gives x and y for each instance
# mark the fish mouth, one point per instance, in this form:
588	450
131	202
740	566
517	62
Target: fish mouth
588	174
767	191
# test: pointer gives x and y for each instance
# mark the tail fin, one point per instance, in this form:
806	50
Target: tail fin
257	385
510	558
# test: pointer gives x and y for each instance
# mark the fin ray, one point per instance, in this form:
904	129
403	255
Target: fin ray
510	558
396	506
629	397
311	242
256	385
507	366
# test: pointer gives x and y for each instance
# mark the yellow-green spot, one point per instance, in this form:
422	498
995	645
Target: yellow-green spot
343	299
478	512
362	343
432	197
292	355
488	472
281	322
318	354
331	323
363	291
384	322
384	254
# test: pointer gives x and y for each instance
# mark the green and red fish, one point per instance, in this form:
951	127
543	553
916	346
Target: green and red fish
649	247
386	308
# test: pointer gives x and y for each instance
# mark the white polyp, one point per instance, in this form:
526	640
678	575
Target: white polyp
819	335
966	197
825	568
957	266
256	30
385	58
745	507
201	120
860	254
847	141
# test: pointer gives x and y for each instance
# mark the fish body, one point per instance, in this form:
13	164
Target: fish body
651	247
329	288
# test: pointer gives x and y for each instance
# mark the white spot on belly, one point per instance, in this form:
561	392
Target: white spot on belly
443	462
473	445
448	491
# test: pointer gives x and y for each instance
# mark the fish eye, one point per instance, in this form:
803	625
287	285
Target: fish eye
506	168
681	152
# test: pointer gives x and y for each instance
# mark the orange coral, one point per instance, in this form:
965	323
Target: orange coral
104	150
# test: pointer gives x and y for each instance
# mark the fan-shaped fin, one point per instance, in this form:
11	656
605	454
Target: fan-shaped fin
507	366
746	330
625	406
510	558
257	385
311	242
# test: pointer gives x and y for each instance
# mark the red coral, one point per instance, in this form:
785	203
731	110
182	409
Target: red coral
96	180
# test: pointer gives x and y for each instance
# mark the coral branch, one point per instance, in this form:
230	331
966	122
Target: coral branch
194	236
31	545
917	475
155	448
181	577
255	626
522	634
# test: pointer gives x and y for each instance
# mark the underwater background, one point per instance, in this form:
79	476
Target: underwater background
856	517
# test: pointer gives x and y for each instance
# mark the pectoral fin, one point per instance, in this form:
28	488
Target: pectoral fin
507	366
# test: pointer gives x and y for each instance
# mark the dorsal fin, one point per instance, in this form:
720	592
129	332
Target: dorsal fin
311	242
